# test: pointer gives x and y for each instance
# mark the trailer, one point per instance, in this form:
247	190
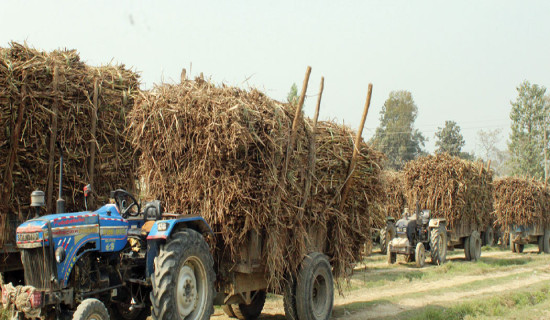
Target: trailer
520	235
465	236
308	294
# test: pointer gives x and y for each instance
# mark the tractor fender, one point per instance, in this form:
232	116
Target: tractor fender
196	223
157	235
435	223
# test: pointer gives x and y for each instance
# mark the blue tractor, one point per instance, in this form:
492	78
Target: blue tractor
121	261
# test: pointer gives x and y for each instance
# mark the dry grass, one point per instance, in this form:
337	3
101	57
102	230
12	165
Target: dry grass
29	96
221	152
520	201
453	188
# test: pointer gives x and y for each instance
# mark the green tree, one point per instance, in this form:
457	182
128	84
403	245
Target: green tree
396	136
292	96
529	115
449	139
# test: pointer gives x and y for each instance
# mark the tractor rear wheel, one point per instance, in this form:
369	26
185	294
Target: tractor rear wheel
438	245
386	235
183	280
91	309
314	288
420	255
253	310
475	246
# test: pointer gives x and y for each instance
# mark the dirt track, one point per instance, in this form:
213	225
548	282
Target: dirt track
379	291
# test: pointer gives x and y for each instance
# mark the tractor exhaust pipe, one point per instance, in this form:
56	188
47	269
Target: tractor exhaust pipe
60	201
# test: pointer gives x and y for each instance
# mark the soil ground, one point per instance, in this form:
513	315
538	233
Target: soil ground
502	285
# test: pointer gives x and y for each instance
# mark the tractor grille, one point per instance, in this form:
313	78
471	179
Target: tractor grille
38	267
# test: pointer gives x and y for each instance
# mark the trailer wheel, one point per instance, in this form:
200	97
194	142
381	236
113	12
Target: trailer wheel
467	252
489	237
392	257
546	241
91	309
475	246
228	310
183	280
512	243
438	245
314	288
420	255
289	299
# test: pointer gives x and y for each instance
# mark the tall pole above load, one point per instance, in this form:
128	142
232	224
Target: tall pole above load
312	146
296	120
356	145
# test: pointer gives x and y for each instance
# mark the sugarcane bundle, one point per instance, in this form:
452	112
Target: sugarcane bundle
521	201
46	99
223	152
456	189
393	196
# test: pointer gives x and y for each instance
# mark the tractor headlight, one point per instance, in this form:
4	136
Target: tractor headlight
59	254
162	226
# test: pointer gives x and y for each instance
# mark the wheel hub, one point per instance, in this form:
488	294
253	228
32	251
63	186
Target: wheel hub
186	291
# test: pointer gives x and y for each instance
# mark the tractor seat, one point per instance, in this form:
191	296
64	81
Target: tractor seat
143	231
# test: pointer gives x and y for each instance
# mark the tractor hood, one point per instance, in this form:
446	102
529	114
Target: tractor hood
35	232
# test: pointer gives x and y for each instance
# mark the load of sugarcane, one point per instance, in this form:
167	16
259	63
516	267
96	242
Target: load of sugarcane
521	202
394	201
53	100
452	188
226	154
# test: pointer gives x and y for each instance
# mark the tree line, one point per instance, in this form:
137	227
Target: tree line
526	154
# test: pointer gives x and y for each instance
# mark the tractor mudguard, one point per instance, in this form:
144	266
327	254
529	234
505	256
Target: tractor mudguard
435	223
157	234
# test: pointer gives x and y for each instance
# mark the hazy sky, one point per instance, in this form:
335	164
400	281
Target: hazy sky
461	60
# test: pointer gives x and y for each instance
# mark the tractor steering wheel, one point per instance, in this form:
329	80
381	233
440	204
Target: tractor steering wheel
121	197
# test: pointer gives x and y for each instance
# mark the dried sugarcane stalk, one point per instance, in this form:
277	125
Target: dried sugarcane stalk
93	141
53	139
312	146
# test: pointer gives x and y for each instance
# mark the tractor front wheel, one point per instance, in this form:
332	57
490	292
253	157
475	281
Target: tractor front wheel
420	255
91	309
183	280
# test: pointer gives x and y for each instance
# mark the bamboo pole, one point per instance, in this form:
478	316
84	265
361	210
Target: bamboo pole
53	139
353	161
295	121
93	142
313	147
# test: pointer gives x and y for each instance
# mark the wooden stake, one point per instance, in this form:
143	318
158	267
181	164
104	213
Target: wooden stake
295	121
93	142
313	147
53	139
353	161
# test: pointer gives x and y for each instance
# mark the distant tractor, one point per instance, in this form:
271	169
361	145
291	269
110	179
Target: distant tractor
419	236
